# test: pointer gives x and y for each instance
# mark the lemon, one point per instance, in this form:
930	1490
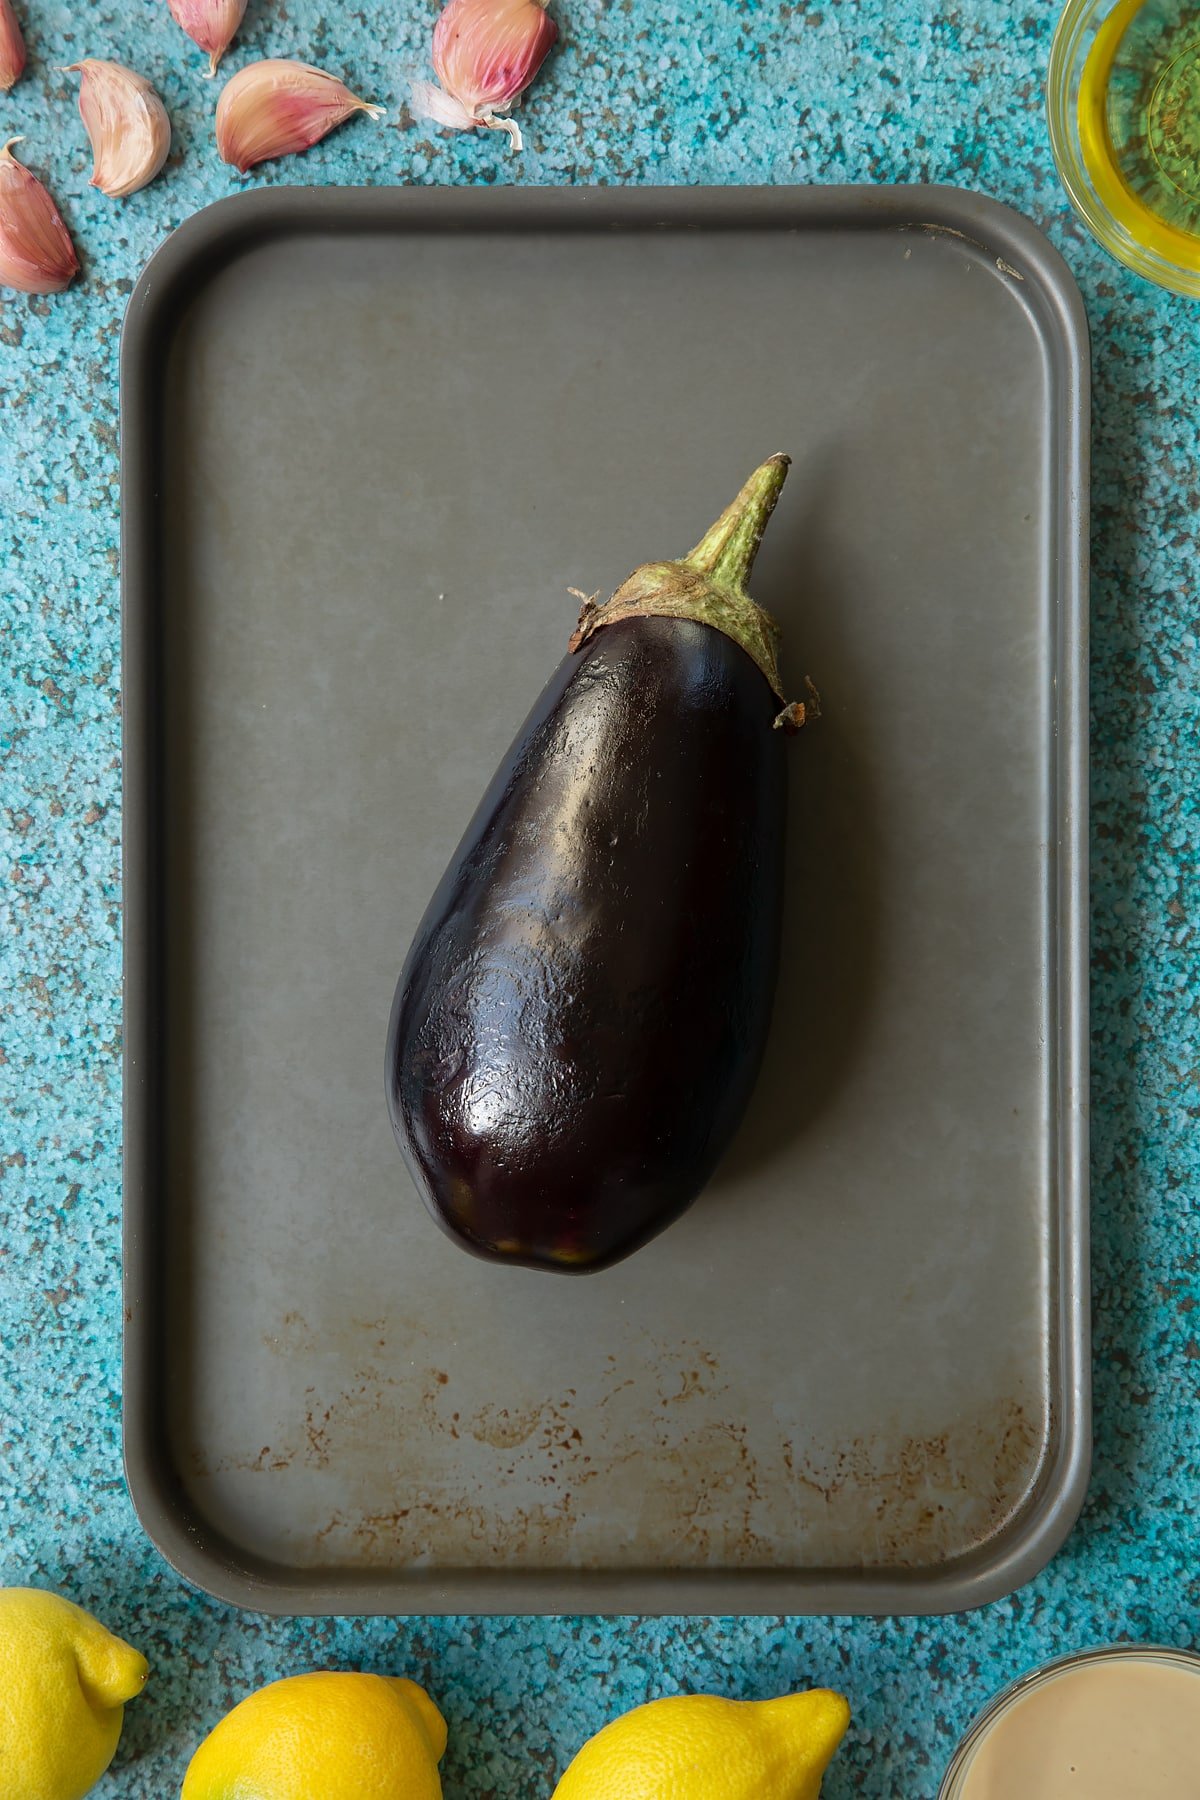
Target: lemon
64	1680
696	1747
324	1737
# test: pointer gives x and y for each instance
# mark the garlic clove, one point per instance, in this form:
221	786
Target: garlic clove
485	53
276	107
36	252
126	123
12	47
209	23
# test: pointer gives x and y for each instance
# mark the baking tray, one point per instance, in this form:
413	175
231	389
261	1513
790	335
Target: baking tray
369	440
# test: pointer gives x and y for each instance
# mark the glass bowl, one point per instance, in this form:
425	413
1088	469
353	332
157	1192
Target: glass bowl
1123	104
955	1778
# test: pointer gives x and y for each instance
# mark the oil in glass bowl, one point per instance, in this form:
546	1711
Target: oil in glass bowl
1124	106
1151	107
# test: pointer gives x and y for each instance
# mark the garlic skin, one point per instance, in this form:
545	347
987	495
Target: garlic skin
276	107
209	23
486	53
36	252
126	123
12	47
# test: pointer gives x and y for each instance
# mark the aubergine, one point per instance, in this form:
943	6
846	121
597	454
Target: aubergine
580	1021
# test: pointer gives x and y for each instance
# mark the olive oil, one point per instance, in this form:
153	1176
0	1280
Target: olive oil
1139	123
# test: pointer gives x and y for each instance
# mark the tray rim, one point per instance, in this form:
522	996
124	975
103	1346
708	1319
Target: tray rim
1028	1541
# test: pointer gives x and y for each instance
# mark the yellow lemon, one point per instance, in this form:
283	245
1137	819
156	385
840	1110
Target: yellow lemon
64	1681
696	1747
324	1737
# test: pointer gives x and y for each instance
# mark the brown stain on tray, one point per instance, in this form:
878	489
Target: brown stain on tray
917	1500
656	1462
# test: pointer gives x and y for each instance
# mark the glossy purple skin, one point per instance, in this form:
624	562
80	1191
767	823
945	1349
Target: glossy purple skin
581	1018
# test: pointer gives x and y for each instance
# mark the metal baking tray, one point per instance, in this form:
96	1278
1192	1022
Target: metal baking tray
369	441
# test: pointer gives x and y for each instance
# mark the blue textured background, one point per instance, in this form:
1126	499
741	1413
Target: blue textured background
847	90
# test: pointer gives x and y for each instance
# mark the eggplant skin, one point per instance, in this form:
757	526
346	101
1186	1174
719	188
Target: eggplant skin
580	1020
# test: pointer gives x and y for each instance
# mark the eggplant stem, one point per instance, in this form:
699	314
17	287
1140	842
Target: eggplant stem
709	585
728	548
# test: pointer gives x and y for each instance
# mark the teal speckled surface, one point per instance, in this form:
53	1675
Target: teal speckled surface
840	90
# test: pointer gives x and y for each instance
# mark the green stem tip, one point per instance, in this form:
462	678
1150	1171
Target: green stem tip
728	548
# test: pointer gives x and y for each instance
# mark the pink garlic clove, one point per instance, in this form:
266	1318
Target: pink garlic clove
126	123
209	23
12	47
486	53
276	107
36	252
